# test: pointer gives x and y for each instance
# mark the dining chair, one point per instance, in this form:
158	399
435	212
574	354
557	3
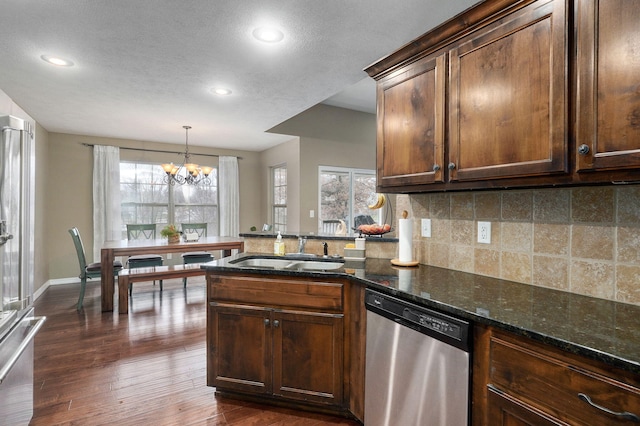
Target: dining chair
92	270
195	256
143	232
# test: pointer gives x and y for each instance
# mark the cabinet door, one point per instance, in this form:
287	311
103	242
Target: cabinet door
240	348
504	410
308	356
508	97
608	104
411	125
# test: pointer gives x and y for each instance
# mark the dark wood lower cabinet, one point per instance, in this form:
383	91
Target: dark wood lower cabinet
518	381
285	340
296	355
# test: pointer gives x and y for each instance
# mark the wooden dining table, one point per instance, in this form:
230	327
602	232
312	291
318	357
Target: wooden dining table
112	249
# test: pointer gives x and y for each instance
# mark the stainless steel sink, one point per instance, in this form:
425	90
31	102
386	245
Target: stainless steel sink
316	265
293	263
260	262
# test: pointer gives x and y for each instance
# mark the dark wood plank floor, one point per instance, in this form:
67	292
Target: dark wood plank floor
145	368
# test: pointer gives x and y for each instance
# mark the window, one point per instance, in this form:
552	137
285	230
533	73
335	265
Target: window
344	194
279	179
145	198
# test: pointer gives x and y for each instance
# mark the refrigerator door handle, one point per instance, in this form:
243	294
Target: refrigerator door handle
23	345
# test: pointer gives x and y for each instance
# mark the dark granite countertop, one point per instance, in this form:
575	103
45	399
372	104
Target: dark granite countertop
595	328
350	236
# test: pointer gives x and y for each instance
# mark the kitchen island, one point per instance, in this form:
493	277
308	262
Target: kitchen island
596	331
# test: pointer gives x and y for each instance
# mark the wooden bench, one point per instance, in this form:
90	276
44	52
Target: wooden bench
129	276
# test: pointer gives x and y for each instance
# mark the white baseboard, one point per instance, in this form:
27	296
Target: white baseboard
40	291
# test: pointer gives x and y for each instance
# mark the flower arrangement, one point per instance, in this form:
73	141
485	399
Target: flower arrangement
171	232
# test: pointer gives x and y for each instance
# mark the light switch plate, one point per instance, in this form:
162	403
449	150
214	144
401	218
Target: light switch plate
425	226
484	232
312	213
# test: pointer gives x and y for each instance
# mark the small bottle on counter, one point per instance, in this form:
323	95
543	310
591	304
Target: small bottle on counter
360	243
278	246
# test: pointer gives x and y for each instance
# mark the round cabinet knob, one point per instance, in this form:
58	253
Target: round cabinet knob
266	322
583	149
452	166
436	167
276	323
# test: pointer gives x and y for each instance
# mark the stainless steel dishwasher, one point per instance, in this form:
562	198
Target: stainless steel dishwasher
417	365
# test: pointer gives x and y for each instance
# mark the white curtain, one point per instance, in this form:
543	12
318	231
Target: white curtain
229	191
106	197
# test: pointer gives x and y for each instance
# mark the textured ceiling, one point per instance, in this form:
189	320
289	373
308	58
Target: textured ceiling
144	68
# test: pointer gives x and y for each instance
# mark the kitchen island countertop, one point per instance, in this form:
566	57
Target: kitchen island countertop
595	328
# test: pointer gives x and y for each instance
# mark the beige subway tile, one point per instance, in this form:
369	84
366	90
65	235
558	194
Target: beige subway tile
420	205
441	231
592	242
462	232
439	255
440	206
592	204
628	284
552	272
515	267
517	236
487	262
462	205
517	205
628	248
628	204
421	251
592	279
487	206
551	238
461	258
552	205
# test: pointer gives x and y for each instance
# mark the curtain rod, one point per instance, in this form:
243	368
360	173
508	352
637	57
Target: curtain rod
162	151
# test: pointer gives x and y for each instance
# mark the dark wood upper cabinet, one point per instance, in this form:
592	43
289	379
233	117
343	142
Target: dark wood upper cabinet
410	146
534	93
508	97
608	89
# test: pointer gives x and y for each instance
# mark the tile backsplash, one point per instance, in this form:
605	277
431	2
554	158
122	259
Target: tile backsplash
583	240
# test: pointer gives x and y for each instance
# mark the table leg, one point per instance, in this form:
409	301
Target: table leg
107	280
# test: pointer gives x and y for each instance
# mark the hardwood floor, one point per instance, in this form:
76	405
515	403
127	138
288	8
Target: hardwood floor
145	368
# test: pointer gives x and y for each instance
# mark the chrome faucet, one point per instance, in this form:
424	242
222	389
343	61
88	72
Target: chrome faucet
301	243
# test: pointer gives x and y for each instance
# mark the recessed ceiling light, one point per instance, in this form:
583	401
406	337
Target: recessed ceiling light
268	34
54	60
221	91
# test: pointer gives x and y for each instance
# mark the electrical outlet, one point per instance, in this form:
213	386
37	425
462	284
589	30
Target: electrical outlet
484	232
426	227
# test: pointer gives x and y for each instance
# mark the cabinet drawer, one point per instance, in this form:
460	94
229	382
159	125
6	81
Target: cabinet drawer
286	291
552	382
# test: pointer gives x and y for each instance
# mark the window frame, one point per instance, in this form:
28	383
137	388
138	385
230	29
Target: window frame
278	226
352	171
170	205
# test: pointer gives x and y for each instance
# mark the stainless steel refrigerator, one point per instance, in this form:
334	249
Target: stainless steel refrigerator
18	326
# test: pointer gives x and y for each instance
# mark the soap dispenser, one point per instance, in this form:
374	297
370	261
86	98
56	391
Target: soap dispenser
278	246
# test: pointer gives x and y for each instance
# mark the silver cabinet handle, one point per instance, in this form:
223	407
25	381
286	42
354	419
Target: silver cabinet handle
622	414
266	322
583	149
276	323
451	166
23	345
436	167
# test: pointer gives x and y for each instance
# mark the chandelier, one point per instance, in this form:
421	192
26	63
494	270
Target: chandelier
193	175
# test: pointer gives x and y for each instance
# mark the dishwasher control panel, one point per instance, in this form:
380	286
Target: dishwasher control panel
454	331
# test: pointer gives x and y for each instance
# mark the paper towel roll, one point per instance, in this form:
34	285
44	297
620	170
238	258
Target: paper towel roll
405	236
